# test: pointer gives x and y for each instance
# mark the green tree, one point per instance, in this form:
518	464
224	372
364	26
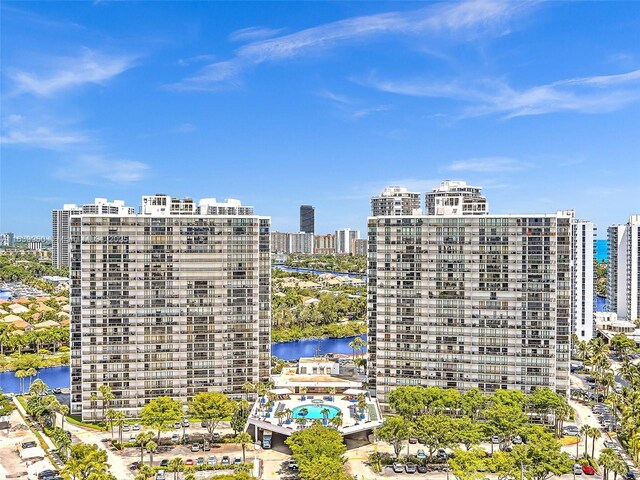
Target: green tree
119	419
623	344
467	465
324	468
85	462
541	455
467	432
107	396
505	420
607	460
151	447
314	442
594	434
243	439
473	402
176	465
241	415
38	387
211	407
161	413
20	375
141	441
394	430
435	431
407	401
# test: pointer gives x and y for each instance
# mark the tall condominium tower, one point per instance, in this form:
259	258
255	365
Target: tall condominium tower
623	278
396	201
60	224
172	301
344	240
583	276
307	219
292	242
464	301
325	244
455	198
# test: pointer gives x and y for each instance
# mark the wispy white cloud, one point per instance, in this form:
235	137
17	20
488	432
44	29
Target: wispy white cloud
488	165
466	18
20	133
88	67
596	94
253	33
353	108
96	169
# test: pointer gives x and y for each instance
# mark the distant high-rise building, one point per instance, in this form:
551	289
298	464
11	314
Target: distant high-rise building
172	301
623	276
344	239
396	201
292	242
307	219
470	301
325	244
455	198
583	292
279	242
359	246
7	239
60	225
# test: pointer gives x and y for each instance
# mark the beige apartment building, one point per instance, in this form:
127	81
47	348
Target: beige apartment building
467	300
172	301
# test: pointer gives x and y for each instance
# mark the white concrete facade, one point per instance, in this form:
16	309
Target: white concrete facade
455	197
344	240
583	292
167	303
623	280
396	201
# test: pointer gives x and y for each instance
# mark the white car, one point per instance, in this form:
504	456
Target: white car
136	427
577	469
175	437
195	447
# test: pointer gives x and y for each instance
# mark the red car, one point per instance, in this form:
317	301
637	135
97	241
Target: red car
188	461
588	470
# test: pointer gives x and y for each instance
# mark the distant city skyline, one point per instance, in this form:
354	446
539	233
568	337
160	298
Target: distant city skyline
325	104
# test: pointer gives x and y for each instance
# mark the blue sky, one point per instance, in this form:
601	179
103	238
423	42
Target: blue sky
281	104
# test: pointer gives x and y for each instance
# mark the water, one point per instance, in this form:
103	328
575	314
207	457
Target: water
600	303
602	250
5	294
315	411
317	272
58	377
313	346
54	377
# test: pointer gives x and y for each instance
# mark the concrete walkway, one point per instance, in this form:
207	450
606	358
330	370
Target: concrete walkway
45	438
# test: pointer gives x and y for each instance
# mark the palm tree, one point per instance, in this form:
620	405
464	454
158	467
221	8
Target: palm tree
107	396
190	475
288	413
20	374
141	440
303	392
618	468
331	391
336	421
584	432
244	439
594	433
175	465
301	421
356	345
325	412
93	398
6	330
30	373
248	387
119	418
303	412
63	410
38	387
152	447
279	415
109	419
606	460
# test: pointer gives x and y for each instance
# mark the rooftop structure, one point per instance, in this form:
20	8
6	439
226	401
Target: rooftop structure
455	197
396	201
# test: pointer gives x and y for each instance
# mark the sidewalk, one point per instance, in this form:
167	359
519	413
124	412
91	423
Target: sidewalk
45	438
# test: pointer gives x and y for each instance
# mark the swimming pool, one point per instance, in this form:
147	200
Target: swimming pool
315	411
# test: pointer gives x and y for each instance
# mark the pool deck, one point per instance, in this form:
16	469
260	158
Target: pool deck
351	421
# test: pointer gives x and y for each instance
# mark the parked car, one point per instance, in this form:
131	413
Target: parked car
630	476
495	439
164	463
29	445
134	466
132	437
212	460
609	444
177	425
588	470
398	467
421	455
413	440
215	436
410	468
195	447
517	440
225	460
204	424
293	465
206	447
442	454
136	427
160	475
185	423
577	469
175	437
237	460
200	461
188	461
47	473
422	469
126	427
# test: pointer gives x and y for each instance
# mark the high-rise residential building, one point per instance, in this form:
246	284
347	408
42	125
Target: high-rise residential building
455	197
307	219
623	276
60	225
292	242
7	239
279	242
344	240
465	301
172	301
583	292
325	244
396	201
359	246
